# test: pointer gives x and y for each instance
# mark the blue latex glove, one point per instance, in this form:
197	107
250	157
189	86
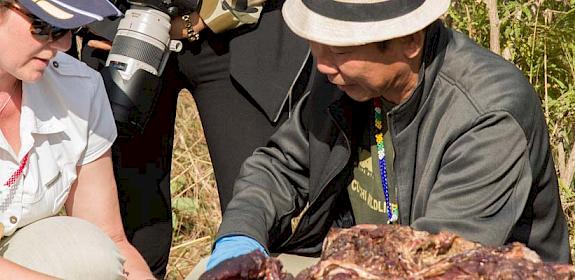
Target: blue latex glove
232	246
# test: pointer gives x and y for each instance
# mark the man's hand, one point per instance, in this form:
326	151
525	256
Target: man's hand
232	246
246	266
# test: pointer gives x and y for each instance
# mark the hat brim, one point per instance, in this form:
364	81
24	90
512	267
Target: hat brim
310	25
69	17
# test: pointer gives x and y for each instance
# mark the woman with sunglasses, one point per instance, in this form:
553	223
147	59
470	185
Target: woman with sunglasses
56	133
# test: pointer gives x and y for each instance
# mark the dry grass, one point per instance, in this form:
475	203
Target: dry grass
194	195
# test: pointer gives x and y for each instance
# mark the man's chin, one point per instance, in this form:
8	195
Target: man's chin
358	96
356	93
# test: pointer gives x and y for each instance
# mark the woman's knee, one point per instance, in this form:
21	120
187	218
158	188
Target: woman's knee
65	247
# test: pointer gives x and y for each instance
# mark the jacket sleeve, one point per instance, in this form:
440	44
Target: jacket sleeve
483	183
272	187
224	15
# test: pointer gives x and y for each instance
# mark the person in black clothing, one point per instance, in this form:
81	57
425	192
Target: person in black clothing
244	75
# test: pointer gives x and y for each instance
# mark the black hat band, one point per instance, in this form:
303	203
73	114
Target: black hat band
363	12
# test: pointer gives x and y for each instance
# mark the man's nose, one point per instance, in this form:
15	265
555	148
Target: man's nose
325	67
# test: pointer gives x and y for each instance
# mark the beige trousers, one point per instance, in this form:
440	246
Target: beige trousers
291	263
66	248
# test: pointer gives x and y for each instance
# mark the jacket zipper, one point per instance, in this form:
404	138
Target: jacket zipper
392	133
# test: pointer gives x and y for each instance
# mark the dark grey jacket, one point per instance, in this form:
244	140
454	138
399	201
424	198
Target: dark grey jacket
472	156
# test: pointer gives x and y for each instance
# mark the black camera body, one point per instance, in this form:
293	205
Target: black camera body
139	53
170	7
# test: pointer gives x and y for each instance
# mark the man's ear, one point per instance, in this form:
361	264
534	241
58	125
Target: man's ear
413	44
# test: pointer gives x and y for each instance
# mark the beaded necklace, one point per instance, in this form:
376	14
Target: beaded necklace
391	215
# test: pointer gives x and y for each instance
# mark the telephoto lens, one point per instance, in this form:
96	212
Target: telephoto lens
140	50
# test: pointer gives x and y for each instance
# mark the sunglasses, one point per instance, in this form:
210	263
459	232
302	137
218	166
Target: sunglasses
40	29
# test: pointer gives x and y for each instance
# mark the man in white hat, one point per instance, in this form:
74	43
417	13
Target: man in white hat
408	122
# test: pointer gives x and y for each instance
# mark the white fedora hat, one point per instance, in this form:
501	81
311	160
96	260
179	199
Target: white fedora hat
358	22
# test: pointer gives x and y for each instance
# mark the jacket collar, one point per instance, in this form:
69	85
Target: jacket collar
436	40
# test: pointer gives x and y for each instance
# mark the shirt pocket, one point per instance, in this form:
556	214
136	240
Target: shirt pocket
43	176
37	203
52	185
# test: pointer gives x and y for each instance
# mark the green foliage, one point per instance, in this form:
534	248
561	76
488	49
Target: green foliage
470	17
187	205
539	37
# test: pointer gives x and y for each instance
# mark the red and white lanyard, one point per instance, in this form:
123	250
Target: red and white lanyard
16	175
